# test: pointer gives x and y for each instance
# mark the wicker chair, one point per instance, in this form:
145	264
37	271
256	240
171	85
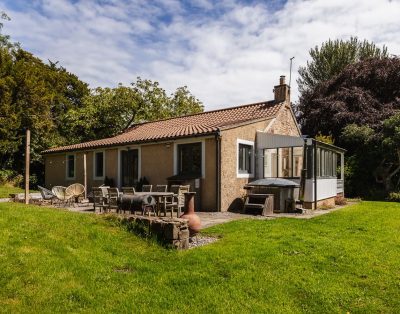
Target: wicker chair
47	195
147	188
61	195
76	190
128	190
99	200
113	195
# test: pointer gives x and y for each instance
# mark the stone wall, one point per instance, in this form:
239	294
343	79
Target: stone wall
284	123
171	232
232	186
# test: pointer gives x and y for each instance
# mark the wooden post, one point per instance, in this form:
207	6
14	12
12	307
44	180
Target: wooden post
27	161
85	174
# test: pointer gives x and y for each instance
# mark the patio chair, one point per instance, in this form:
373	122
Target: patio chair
61	195
99	200
104	189
128	190
147	188
76	190
177	201
47	195
161	188
113	195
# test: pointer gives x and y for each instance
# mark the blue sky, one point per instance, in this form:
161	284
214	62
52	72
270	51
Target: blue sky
227	52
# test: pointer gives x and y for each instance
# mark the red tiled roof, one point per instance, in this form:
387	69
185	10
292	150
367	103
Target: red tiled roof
186	126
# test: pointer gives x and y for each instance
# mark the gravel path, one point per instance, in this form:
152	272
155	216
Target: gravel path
200	241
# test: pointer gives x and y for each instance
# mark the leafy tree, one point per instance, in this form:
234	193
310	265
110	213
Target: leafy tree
60	109
110	111
377	153
364	93
333	56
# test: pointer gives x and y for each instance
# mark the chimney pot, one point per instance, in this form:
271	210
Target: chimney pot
282	91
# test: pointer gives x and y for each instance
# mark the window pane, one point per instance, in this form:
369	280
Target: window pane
245	158
71	166
270	163
297	161
99	164
285	162
189	159
322	163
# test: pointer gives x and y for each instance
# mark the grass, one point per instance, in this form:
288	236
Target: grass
346	261
6	190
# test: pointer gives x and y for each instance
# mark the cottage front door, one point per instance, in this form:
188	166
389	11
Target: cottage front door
129	167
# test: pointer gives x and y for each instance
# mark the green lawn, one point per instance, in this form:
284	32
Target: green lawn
6	190
57	261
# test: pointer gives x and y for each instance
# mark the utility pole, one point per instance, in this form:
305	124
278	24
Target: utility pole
290	74
27	161
85	174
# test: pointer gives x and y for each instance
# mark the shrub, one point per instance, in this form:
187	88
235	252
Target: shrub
394	196
6	175
340	200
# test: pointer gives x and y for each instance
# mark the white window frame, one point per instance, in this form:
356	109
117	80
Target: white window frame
66	166
245	175
203	154
94	165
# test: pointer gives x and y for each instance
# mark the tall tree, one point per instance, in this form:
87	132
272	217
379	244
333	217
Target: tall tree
333	57
364	93
109	111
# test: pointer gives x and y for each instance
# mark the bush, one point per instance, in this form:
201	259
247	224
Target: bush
6	175
340	200
394	197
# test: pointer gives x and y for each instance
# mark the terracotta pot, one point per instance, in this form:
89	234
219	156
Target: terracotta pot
189	214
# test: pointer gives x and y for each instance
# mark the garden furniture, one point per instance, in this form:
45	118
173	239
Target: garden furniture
128	190
147	188
76	190
47	195
99	200
61	194
113	195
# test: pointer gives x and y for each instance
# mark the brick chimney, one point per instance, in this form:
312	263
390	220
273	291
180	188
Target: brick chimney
282	91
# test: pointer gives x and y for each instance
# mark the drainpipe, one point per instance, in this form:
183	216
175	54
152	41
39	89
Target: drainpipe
315	174
218	168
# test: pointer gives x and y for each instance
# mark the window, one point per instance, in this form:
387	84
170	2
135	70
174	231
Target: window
99	165
189	159
326	163
297	161
70	166
245	152
270	163
283	162
245	159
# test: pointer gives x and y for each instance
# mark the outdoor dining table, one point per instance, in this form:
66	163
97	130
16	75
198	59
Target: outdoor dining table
157	195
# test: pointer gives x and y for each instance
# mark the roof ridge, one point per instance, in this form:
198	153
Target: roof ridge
199	113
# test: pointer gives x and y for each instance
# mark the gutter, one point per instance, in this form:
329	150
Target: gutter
218	168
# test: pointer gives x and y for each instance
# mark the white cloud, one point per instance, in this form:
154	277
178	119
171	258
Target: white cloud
226	52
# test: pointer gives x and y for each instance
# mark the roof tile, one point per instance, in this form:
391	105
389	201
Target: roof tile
197	124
